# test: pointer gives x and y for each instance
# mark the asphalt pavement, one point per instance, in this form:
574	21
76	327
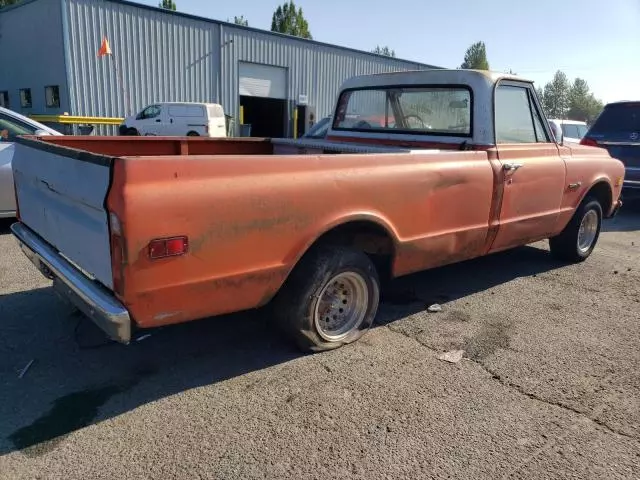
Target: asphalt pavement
548	386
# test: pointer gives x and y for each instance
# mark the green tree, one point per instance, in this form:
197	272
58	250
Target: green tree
582	103
168	4
556	96
384	51
6	3
476	57
240	21
540	95
289	20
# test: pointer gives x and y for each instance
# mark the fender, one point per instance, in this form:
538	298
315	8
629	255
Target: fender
375	218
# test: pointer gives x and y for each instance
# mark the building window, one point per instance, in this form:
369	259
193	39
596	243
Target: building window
52	96
25	98
4	99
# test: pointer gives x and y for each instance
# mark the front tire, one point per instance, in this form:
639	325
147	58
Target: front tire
329	300
576	242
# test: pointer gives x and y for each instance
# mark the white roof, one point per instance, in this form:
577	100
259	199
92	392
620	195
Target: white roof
476	79
567	122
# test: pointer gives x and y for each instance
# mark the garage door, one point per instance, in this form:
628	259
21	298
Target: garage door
262	81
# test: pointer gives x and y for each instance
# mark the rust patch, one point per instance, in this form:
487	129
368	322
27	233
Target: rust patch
229	230
436	252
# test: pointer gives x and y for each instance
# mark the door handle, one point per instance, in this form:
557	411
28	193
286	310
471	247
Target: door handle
158	120
512	167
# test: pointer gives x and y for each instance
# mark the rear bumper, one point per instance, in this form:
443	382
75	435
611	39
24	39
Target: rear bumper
94	300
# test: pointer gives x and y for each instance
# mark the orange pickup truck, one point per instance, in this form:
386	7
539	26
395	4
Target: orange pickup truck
418	169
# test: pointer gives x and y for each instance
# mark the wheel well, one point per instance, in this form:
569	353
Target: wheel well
192	133
601	191
366	236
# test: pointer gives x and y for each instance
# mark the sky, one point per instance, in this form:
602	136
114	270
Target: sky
597	40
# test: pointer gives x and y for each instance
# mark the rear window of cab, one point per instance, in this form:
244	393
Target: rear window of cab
426	110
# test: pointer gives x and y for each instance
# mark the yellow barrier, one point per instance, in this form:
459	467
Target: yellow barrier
72	119
295	122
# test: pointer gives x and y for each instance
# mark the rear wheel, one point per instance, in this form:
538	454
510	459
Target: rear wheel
329	300
576	242
193	134
132	132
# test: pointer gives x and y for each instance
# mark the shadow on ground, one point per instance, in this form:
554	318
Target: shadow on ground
5	224
77	379
628	220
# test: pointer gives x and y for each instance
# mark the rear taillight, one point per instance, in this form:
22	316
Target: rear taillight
168	247
589	142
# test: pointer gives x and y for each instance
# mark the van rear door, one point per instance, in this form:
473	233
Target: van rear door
216	121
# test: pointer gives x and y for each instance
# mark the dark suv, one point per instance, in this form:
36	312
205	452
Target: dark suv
618	130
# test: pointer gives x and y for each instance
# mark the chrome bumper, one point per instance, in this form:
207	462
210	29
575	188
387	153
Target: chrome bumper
94	300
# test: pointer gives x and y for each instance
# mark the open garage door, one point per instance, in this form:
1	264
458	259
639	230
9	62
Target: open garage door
263	96
263	81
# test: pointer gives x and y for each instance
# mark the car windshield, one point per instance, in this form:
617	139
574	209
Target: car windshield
422	110
573	130
319	130
619	118
11	128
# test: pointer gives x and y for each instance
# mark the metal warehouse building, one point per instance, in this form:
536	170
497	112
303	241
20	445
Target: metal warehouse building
49	64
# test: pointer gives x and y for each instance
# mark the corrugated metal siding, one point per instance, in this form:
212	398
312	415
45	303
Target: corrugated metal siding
164	56
314	70
31	54
158	56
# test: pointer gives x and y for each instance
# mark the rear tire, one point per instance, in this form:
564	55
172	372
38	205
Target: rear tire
193	134
576	242
329	300
132	132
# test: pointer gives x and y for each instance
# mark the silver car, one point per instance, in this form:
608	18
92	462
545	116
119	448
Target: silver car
13	124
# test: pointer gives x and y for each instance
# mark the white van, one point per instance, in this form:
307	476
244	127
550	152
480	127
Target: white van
177	119
572	130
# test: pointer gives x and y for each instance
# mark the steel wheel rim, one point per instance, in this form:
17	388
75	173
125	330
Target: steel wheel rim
342	306
588	230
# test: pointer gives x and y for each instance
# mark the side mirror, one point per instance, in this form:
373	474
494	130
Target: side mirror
557	132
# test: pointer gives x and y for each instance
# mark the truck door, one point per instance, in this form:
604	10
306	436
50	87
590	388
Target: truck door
533	173
149	121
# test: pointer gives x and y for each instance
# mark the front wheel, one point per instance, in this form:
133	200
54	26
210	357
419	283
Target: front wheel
576	242
329	300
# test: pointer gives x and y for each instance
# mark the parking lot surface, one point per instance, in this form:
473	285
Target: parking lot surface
549	386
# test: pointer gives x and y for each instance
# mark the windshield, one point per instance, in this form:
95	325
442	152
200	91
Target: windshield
573	130
620	118
420	110
319	130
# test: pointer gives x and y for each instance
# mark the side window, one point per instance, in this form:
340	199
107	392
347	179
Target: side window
570	131
4	99
151	112
10	129
517	119
25	98
541	134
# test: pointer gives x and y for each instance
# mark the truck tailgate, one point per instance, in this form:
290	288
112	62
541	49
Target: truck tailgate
61	195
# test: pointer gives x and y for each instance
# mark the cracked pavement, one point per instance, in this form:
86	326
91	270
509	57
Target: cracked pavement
548	387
